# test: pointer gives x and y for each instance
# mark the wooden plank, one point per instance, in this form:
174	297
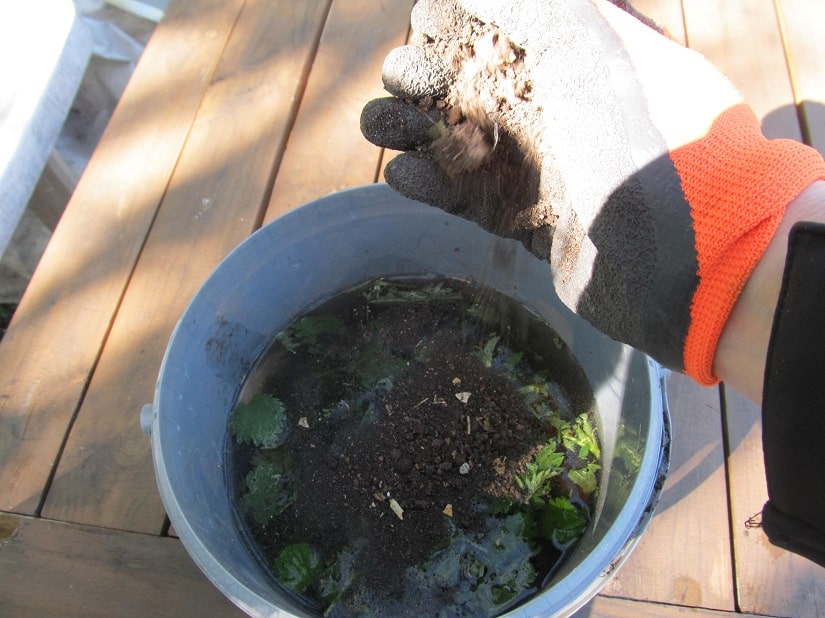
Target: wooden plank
742	38
326	151
769	579
684	557
53	569
608	607
59	328
803	25
214	201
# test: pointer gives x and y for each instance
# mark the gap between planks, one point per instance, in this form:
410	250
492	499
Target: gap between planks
54	341
105	476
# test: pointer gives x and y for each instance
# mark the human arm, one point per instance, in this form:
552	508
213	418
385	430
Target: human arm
743	345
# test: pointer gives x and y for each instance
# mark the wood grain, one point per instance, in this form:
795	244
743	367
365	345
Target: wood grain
57	333
724	32
769	580
803	26
326	151
742	39
213	202
54	570
684	557
608	607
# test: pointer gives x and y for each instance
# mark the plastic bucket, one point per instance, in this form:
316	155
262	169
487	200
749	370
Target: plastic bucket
331	245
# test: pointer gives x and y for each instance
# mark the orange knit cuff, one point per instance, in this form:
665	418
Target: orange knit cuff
738	184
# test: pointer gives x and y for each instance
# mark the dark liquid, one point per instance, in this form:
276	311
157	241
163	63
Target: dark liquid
408	475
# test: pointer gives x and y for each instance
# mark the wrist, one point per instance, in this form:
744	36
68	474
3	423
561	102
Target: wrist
742	348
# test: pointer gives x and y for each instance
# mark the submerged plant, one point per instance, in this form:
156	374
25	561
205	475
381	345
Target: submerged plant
578	436
298	566
559	520
269	490
384	292
262	422
551	513
339	378
478	577
487	352
307	330
548	464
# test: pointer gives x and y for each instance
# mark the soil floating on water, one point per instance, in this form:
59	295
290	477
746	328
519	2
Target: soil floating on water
415	447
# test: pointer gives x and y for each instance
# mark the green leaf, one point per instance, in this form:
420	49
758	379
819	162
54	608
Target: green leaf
535	390
585	477
580	438
269	491
561	521
513	360
563	428
262	422
384	292
485	574
298	566
548	458
534	481
305	331
487	353
338	577
502	505
630	457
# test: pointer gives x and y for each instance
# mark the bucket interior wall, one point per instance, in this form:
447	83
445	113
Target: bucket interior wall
302	259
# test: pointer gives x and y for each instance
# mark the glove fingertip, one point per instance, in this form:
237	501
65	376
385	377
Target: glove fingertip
409	72
417	176
394	124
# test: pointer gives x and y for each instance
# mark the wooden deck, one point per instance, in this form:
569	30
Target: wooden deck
238	111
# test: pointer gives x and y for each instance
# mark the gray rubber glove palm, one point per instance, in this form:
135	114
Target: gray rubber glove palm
552	122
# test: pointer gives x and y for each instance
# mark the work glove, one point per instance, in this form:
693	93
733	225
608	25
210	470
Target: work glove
625	160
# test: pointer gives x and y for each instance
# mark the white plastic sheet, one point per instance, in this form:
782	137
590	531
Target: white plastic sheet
63	68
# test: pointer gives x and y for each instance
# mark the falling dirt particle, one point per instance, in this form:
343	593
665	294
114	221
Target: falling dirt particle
456	381
396	508
464	469
463	397
500	465
448	510
9	528
303	422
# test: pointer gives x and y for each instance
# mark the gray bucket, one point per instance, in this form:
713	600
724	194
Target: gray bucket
328	246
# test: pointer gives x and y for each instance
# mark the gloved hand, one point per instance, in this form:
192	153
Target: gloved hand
626	160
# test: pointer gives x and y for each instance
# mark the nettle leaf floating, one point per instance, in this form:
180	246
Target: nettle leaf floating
487	352
561	521
262	422
306	331
269	491
298	566
586	477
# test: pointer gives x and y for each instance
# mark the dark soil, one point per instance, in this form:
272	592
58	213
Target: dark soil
414	454
443	460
